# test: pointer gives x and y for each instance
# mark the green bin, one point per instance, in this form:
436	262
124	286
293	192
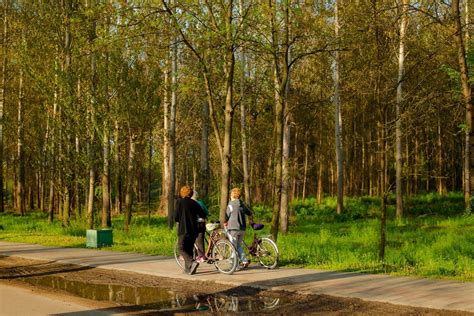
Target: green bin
97	238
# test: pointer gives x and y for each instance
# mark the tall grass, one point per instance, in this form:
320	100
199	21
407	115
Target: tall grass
434	239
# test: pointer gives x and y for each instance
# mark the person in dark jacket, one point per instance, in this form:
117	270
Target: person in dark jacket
187	212
201	229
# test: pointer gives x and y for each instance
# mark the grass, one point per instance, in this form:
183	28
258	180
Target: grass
434	239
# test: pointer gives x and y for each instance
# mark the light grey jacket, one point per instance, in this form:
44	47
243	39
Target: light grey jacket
235	215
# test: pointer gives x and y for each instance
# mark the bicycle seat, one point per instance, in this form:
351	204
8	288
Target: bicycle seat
257	226
212	226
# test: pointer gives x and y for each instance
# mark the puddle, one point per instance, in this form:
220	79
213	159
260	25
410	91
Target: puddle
159	298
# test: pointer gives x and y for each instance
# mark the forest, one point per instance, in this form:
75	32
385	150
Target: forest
108	107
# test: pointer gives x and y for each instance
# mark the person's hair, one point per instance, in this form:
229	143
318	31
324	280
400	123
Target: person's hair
235	193
185	191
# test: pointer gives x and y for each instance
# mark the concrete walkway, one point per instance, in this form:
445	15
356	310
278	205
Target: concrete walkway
417	292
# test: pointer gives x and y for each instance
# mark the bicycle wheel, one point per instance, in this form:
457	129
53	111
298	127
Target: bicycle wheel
267	253
225	256
180	262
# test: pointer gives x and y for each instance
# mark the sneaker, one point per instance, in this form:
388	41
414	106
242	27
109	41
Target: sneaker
245	265
200	259
194	266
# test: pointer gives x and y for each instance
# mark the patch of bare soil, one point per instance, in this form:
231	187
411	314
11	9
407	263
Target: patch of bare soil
141	294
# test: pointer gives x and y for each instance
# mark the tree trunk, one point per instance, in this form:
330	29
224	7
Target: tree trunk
166	143
383	195
172	131
150	157
338	120
91	124
226	156
204	168
440	180
118	168
130	180
284	213
467	94
243	120
20	186
106	218
399	101
281	76
3	97
305	172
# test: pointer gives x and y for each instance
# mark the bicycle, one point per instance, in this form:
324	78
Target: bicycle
220	251
263	248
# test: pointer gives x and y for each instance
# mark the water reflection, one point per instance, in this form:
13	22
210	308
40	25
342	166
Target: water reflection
232	303
158	298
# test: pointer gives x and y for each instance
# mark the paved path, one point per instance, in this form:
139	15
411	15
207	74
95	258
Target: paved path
418	292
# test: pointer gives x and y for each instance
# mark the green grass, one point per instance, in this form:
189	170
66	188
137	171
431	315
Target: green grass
435	239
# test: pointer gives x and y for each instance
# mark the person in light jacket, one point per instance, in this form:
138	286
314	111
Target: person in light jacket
236	214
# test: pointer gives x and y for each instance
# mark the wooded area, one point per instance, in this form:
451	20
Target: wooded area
104	104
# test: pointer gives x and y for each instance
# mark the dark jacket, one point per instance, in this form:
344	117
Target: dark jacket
187	212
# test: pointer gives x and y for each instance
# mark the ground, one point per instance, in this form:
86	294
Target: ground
144	294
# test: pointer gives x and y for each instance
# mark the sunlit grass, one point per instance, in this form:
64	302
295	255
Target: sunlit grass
434	239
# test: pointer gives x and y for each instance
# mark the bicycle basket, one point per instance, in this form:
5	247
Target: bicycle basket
212	226
257	226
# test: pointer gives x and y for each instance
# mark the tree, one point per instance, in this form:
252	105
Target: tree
468	103
398	133
338	119
2	98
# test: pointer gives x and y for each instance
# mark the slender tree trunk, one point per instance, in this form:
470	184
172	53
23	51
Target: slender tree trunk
243	119
467	94
383	195
281	76
91	132
172	131
20	186
320	161
399	101
305	172
204	168
279	108
226	156
130	180
338	120
150	157
118	175
66	182
106	218
295	166
440	181
3	98
166	143
106	221
284	214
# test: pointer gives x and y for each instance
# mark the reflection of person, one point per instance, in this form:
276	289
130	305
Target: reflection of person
201	229
236	223
187	212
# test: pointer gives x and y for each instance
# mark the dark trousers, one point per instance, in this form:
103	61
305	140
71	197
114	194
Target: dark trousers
200	238
186	249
